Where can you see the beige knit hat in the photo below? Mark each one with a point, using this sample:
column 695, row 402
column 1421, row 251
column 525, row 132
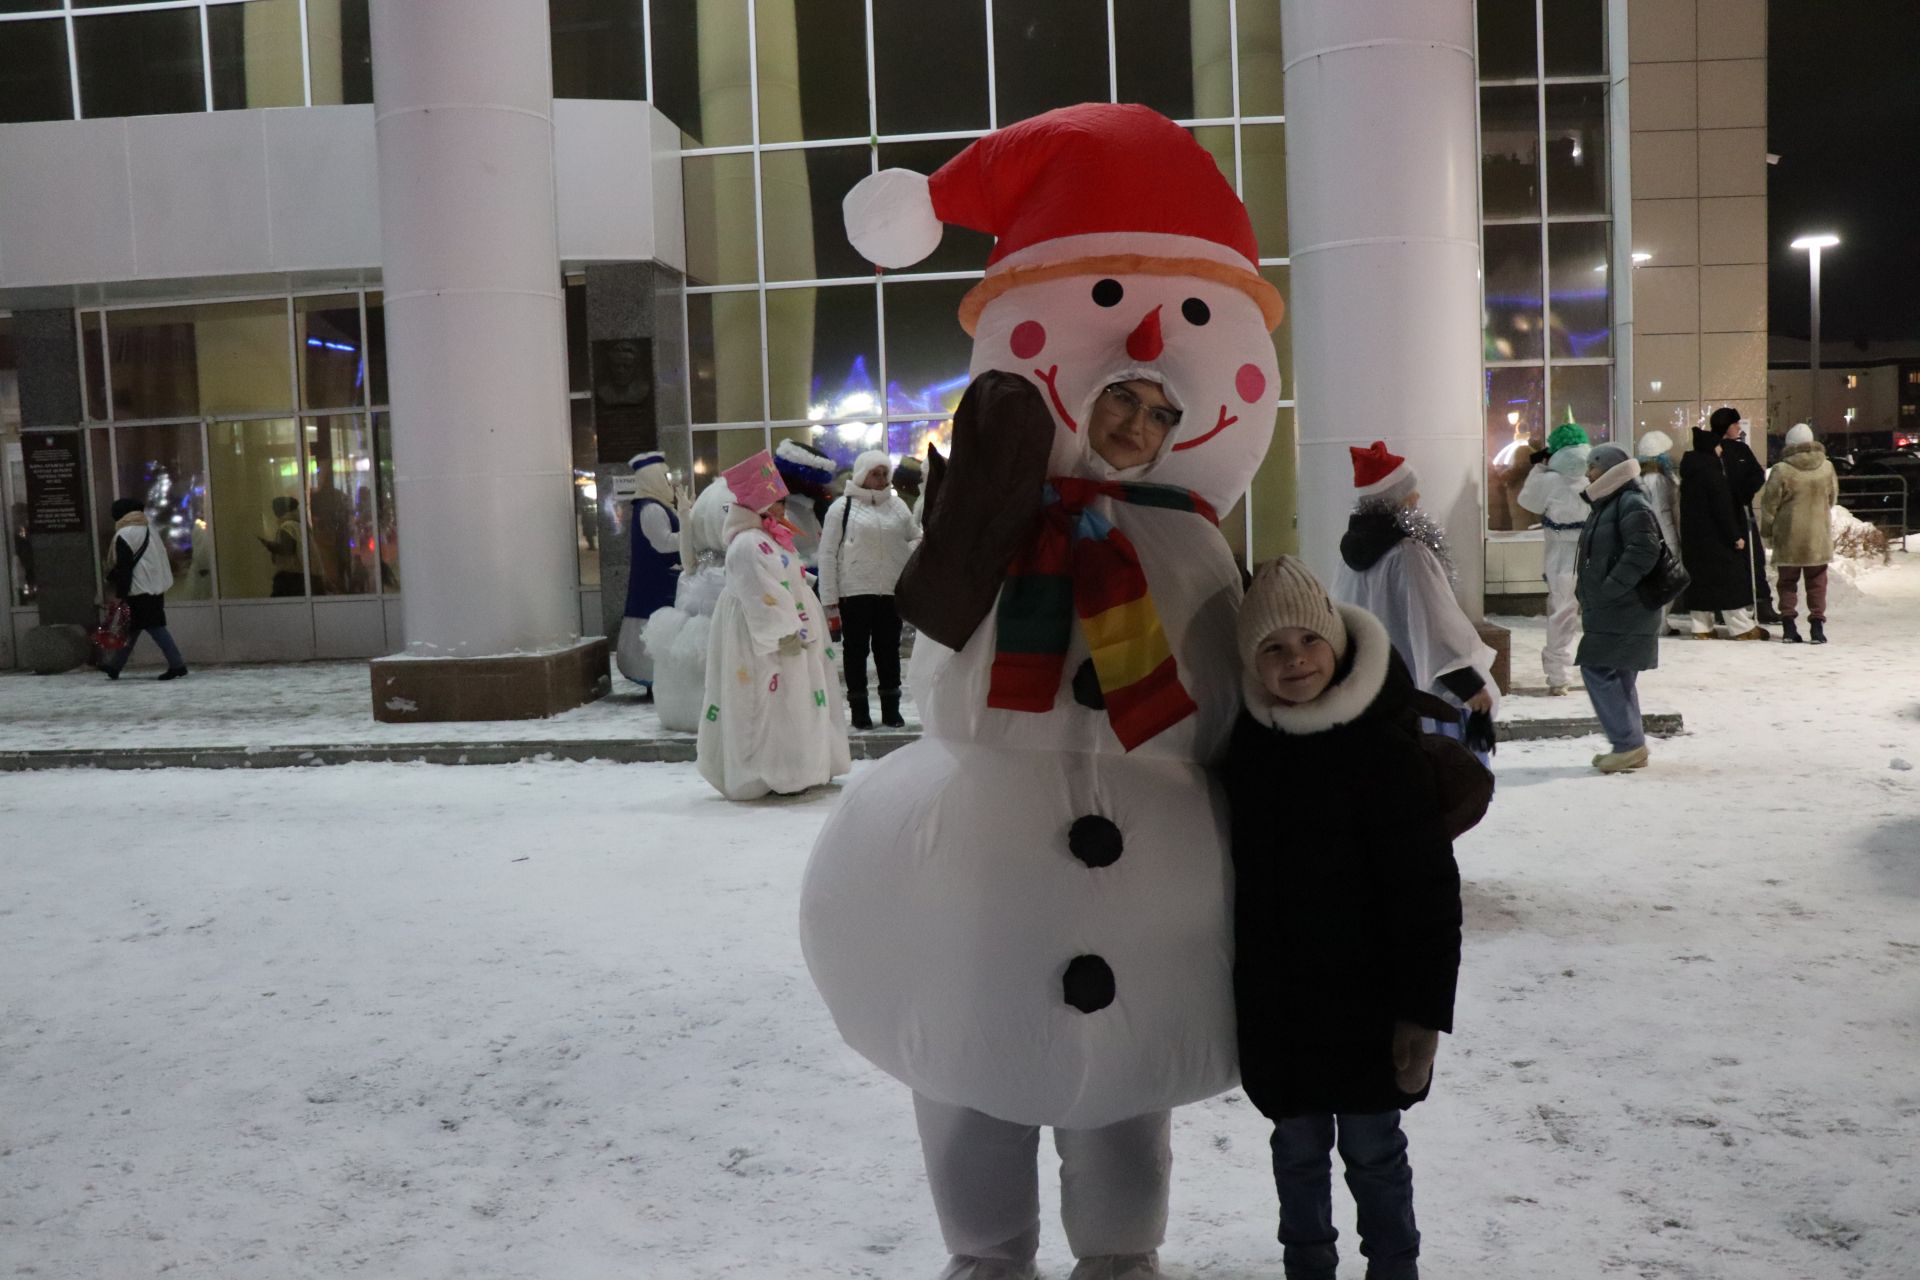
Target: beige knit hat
column 1286, row 594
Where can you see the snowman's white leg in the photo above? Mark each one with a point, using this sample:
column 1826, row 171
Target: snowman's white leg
column 985, row 1178
column 1113, row 1185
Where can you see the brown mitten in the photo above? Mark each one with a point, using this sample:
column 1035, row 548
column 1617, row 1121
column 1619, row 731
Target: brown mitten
column 1414, row 1048
column 980, row 507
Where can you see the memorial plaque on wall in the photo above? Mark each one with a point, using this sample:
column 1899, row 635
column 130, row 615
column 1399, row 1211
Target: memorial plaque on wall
column 56, row 483
column 623, row 417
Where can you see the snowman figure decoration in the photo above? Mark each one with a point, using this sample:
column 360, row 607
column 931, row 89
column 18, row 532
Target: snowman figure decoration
column 1025, row 916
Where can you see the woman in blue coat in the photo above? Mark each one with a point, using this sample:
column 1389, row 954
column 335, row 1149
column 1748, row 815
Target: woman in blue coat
column 653, row 565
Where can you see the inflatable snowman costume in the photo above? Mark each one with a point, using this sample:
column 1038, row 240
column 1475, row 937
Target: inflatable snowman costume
column 653, row 563
column 1025, row 916
column 774, row 720
column 677, row 636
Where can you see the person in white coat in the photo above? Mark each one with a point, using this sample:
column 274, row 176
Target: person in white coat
column 774, row 721
column 141, row 574
column 1553, row 493
column 864, row 544
column 1662, row 487
column 1394, row 564
column 677, row 636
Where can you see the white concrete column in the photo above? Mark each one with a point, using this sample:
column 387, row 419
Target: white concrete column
column 1383, row 214
column 476, row 326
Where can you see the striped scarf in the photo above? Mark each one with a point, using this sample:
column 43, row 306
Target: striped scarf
column 1078, row 563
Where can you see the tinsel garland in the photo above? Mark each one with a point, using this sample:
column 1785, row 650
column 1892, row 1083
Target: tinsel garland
column 1417, row 525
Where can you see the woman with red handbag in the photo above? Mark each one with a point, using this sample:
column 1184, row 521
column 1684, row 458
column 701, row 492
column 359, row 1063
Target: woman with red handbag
column 140, row 575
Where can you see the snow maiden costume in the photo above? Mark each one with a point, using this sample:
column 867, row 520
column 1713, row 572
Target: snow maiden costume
column 653, row 564
column 1394, row 564
column 1025, row 915
column 677, row 636
column 774, row 720
column 1553, row 493
column 808, row 475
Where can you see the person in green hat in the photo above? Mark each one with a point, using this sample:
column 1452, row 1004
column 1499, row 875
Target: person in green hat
column 1553, row 493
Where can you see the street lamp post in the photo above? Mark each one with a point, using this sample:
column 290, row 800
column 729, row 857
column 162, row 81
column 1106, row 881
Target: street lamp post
column 1811, row 245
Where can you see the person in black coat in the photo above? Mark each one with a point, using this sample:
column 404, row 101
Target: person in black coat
column 1745, row 479
column 1713, row 536
column 1347, row 913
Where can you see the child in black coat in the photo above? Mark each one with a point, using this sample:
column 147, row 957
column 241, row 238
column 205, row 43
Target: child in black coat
column 1347, row 913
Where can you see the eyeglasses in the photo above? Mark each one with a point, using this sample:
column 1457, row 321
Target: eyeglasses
column 1124, row 402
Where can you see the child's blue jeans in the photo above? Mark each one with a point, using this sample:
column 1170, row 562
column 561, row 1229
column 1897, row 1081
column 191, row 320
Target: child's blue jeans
column 1374, row 1150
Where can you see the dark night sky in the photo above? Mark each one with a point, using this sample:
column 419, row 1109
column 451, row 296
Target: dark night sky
column 1843, row 110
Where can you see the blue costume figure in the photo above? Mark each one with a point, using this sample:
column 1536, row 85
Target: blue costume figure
column 808, row 475
column 653, row 565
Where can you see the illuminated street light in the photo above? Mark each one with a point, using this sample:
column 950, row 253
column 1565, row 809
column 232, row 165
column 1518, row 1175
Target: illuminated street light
column 1811, row 245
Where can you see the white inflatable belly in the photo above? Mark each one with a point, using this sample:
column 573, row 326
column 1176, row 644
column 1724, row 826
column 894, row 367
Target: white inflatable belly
column 963, row 893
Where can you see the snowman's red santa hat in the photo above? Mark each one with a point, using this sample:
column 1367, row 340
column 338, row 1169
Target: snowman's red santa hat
column 1094, row 189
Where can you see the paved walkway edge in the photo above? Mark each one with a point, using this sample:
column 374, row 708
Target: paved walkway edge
column 866, row 746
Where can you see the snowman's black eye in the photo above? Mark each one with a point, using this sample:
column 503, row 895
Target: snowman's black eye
column 1107, row 293
column 1195, row 311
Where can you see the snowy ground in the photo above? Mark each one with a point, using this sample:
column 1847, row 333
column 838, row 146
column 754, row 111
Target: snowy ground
column 551, row 1020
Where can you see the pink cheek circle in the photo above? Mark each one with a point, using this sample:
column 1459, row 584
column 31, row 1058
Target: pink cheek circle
column 1250, row 383
column 1028, row 340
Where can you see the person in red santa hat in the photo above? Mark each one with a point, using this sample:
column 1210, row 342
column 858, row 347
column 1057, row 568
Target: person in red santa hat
column 1395, row 564
column 1025, row 916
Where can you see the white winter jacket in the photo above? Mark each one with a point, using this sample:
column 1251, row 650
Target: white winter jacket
column 152, row 572
column 864, row 544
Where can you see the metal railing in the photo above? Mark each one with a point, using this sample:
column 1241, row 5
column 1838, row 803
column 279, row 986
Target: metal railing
column 1880, row 500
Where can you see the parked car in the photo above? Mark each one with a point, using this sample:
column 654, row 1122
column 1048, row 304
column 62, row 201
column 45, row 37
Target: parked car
column 1892, row 464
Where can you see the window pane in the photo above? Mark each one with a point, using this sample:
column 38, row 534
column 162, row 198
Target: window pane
column 1281, row 278
column 333, row 363
column 341, row 45
column 1586, row 389
column 1263, row 178
column 843, row 442
column 1510, row 153
column 718, row 195
column 154, row 363
column 927, row 350
column 701, row 78
column 162, row 467
column 139, row 64
column 389, row 519
column 908, row 39
column 341, row 546
column 586, row 493
column 806, row 236
column 723, row 346
column 256, row 55
column 256, row 481
column 579, row 377
column 1513, row 315
column 960, row 249
column 9, row 381
column 105, row 485
column 33, row 72
column 1047, row 54
column 242, row 355
column 1217, row 141
column 376, row 350
column 13, row 483
column 1576, row 33
column 813, row 73
column 1577, row 148
column 1261, row 62
column 599, row 48
column 1507, row 49
column 1516, row 427
column 1175, row 56
column 823, row 356
column 1579, row 314
column 715, row 451
column 92, row 353
column 28, row 6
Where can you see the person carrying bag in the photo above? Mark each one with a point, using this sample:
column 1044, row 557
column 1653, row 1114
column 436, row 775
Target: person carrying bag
column 140, row 578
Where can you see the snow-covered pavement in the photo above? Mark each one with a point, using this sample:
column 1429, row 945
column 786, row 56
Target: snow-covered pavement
column 551, row 1020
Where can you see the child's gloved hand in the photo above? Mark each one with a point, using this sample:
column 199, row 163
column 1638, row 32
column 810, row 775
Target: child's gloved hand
column 790, row 646
column 1414, row 1047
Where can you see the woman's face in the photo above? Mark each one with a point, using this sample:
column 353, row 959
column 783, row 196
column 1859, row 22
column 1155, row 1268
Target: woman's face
column 778, row 511
column 1130, row 422
column 876, row 478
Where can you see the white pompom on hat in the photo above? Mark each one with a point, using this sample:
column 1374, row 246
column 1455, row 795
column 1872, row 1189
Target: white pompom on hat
column 1799, row 434
column 1653, row 444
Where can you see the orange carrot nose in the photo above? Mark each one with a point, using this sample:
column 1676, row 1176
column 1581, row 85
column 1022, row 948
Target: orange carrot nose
column 1145, row 343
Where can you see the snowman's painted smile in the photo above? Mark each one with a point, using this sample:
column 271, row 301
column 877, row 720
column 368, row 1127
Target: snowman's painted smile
column 1051, row 373
column 1226, row 420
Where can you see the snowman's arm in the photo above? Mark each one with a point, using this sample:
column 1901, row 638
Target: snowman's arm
column 656, row 526
column 755, row 578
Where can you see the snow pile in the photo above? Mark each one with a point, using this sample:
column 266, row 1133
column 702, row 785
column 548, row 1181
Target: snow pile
column 551, row 1020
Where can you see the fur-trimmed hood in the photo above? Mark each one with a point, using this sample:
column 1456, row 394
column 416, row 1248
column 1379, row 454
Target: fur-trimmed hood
column 1368, row 661
column 1807, row 457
